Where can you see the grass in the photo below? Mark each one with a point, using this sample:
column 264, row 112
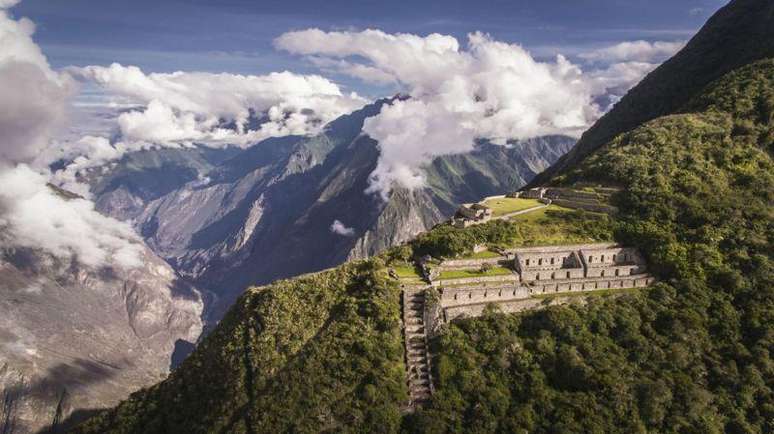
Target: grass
column 509, row 205
column 462, row 274
column 486, row 254
column 555, row 225
column 406, row 272
column 595, row 293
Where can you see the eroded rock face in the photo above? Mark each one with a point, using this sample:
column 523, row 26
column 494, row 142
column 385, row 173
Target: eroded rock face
column 73, row 339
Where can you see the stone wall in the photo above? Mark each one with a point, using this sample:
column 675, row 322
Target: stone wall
column 597, row 257
column 459, row 264
column 463, row 296
column 586, row 206
column 472, row 295
column 573, row 247
column 476, row 280
column 614, row 271
column 471, row 302
column 559, row 273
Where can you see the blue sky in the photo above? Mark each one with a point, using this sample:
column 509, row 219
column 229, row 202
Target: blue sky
column 236, row 35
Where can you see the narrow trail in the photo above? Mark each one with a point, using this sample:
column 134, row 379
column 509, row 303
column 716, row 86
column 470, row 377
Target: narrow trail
column 524, row 211
column 417, row 355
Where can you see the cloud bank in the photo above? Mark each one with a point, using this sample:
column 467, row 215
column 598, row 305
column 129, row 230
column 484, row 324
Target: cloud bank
column 33, row 96
column 486, row 90
column 635, row 51
column 37, row 217
column 32, row 109
column 219, row 109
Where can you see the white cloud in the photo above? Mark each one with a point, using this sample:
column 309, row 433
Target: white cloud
column 489, row 90
column 635, row 51
column 186, row 107
column 33, row 95
column 37, row 217
column 32, row 107
column 6, row 4
column 86, row 153
column 338, row 227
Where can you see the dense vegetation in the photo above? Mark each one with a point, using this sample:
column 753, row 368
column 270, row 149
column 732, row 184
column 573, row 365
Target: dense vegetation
column 318, row 353
column 693, row 354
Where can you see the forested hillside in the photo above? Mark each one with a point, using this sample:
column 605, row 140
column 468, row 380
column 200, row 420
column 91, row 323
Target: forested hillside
column 693, row 354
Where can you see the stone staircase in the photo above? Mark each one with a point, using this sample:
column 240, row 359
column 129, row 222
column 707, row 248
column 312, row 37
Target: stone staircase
column 417, row 354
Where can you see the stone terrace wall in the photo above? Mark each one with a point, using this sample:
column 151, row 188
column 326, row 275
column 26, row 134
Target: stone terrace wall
column 614, row 271
column 593, row 284
column 463, row 296
column 553, row 274
column 457, row 264
column 573, row 247
column 475, row 280
column 475, row 310
column 451, row 297
column 586, row 206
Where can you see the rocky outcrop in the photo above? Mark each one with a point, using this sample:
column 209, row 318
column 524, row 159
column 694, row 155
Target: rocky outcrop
column 74, row 339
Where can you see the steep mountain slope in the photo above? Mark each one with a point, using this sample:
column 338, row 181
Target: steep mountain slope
column 691, row 354
column 74, row 339
column 718, row 48
column 267, row 213
column 124, row 188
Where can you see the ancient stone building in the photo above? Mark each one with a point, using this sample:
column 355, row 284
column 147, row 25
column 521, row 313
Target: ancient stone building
column 540, row 271
column 548, row 265
column 472, row 214
column 612, row 262
column 532, row 193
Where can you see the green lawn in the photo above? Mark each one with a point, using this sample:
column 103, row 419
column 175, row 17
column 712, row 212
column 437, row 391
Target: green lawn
column 555, row 225
column 462, row 274
column 509, row 205
column 486, row 254
column 407, row 272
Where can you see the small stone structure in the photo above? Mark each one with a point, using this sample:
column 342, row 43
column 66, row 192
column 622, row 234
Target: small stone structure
column 470, row 214
column 532, row 193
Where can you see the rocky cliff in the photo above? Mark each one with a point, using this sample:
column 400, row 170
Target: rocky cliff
column 74, row 339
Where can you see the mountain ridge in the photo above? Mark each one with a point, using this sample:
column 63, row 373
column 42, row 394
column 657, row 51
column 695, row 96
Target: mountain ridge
column 714, row 51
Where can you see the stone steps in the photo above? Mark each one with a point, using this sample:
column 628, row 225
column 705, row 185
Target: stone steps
column 415, row 342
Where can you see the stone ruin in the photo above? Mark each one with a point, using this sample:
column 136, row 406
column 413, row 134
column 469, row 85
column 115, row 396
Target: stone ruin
column 470, row 214
column 594, row 201
column 539, row 271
